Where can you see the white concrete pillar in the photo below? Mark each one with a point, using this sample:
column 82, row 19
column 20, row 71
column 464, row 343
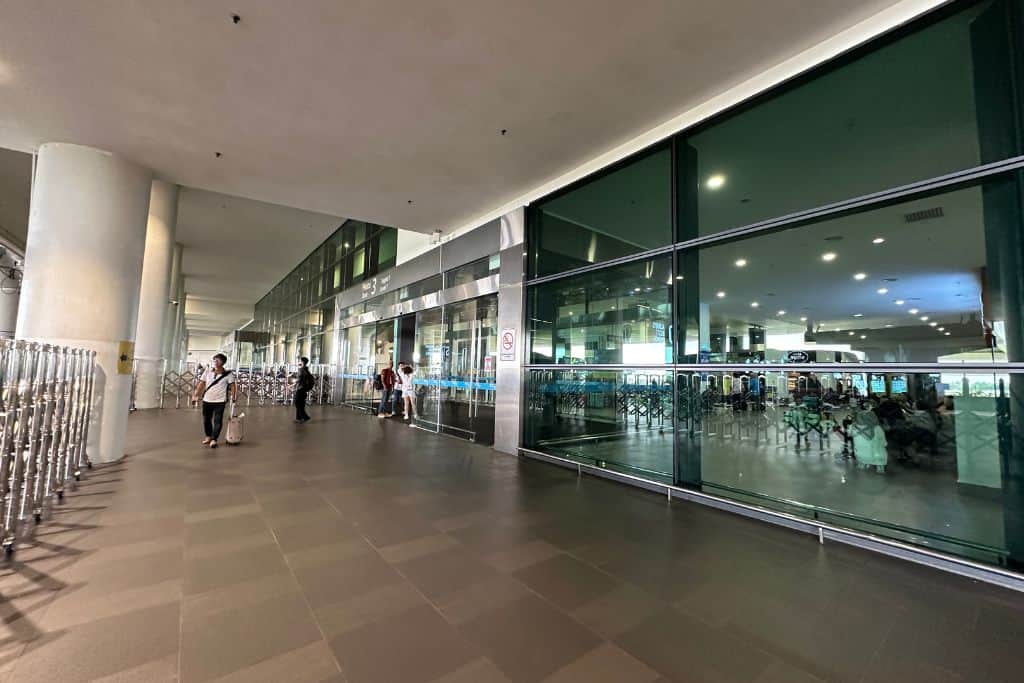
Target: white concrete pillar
column 83, row 268
column 156, row 282
column 171, row 318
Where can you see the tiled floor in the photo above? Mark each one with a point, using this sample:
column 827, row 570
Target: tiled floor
column 348, row 549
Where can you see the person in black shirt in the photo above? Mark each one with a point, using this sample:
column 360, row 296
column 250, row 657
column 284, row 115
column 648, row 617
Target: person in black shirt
column 302, row 389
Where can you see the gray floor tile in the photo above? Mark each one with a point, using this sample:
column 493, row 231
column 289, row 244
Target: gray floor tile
column 445, row 571
column 226, row 569
column 566, row 581
column 338, row 581
column 412, row 646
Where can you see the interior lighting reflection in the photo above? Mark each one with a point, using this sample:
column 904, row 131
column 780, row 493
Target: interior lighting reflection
column 942, row 329
column 782, row 313
column 720, row 295
column 858, row 315
column 716, row 181
column 851, row 333
column 740, row 262
column 912, row 311
column 860, row 276
column 863, row 336
column 924, row 318
column 946, row 333
column 899, row 302
column 828, row 256
column 754, row 304
column 878, row 240
column 883, row 290
column 933, row 324
column 803, row 318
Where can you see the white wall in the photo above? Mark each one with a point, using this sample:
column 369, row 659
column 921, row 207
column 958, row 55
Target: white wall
column 411, row 244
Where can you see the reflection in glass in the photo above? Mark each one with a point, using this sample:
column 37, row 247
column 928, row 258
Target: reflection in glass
column 910, row 282
column 359, row 365
column 428, row 362
column 935, row 101
column 621, row 212
column 620, row 420
column 917, row 457
column 471, row 272
column 468, row 381
column 618, row 315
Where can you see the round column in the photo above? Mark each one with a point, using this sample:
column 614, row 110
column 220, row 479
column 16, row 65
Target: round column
column 83, row 268
column 153, row 299
column 171, row 319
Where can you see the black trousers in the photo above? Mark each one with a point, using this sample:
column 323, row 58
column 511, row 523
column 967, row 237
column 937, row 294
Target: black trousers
column 300, row 404
column 213, row 419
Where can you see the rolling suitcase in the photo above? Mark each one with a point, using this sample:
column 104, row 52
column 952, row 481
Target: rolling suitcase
column 235, row 429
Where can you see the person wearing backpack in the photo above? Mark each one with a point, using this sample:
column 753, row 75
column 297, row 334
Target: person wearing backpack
column 302, row 389
column 216, row 386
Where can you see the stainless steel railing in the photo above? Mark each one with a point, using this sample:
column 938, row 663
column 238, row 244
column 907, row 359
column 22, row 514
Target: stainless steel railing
column 45, row 405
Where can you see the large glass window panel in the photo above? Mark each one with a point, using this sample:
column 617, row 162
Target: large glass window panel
column 934, row 279
column 468, row 382
column 360, row 364
column 429, row 365
column 920, row 457
column 620, row 212
column 471, row 272
column 387, row 253
column 621, row 420
column 616, row 315
column 358, row 265
column 935, row 101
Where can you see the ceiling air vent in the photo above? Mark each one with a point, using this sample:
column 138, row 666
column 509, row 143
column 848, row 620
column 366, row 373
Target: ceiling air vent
column 923, row 215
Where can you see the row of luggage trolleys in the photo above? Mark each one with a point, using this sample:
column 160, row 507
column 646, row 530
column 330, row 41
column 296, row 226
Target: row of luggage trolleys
column 256, row 386
column 45, row 404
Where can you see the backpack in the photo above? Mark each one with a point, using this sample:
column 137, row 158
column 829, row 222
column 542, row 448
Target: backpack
column 306, row 381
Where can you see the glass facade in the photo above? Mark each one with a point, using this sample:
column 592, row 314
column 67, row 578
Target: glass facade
column 815, row 300
column 298, row 313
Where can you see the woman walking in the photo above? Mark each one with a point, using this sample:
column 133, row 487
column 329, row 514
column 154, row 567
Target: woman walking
column 408, row 393
column 215, row 387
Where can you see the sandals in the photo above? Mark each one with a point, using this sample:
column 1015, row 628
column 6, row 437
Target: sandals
column 206, row 441
column 213, row 443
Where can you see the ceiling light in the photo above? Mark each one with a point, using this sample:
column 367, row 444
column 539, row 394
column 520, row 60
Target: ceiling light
column 912, row 311
column 942, row 329
column 933, row 324
column 754, row 304
column 740, row 262
column 716, row 181
column 679, row 277
column 858, row 315
column 946, row 333
column 890, row 325
column 924, row 318
column 851, row 333
column 863, row 336
column 860, row 276
column 899, row 302
column 828, row 256
column 782, row 313
column 878, row 240
column 883, row 290
column 803, row 319
column 636, row 289
column 720, row 295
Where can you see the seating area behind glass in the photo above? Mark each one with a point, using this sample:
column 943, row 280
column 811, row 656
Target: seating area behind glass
column 811, row 303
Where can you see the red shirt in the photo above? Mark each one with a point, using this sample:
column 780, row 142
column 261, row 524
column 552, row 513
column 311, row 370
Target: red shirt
column 387, row 378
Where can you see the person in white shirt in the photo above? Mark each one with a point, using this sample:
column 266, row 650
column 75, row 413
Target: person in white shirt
column 215, row 387
column 408, row 393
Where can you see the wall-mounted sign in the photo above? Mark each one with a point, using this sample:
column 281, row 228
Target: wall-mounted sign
column 508, row 344
column 797, row 357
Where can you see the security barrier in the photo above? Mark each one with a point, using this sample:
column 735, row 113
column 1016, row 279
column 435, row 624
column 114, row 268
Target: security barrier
column 257, row 385
column 45, row 405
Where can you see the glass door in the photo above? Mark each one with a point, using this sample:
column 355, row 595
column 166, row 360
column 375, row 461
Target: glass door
column 428, row 362
column 467, row 389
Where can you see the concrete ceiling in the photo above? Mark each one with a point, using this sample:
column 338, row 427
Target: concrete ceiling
column 358, row 108
column 15, row 189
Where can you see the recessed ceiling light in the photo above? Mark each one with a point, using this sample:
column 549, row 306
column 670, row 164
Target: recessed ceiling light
column 636, row 289
column 803, row 318
column 754, row 304
column 851, row 333
column 883, row 290
column 782, row 313
column 899, row 302
column 924, row 318
column 878, row 240
column 720, row 295
column 828, row 256
column 942, row 329
column 912, row 311
column 858, row 315
column 863, row 336
column 860, row 276
column 679, row 277
column 740, row 262
column 889, row 325
column 946, row 333
column 716, row 181
column 933, row 324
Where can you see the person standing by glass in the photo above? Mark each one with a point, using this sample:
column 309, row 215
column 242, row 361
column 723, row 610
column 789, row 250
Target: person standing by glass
column 215, row 387
column 387, row 381
column 303, row 385
column 408, row 393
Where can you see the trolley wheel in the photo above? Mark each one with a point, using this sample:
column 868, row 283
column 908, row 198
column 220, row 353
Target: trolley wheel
column 60, row 495
column 89, row 465
column 38, row 517
column 78, row 476
column 9, row 551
